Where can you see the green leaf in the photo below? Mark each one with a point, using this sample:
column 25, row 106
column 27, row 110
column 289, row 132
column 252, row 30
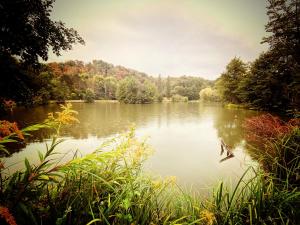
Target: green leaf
column 41, row 156
column 126, row 203
column 28, row 167
column 93, row 221
column 2, row 148
column 44, row 177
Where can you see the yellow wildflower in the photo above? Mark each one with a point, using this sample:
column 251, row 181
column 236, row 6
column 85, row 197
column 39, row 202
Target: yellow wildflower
column 171, row 180
column 208, row 216
column 65, row 117
column 157, row 184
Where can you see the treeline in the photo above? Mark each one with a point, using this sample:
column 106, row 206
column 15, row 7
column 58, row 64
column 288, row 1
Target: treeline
column 272, row 81
column 76, row 80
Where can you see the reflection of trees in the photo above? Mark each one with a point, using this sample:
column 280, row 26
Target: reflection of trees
column 228, row 123
column 99, row 119
column 105, row 119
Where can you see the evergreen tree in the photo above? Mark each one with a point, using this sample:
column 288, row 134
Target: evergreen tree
column 228, row 84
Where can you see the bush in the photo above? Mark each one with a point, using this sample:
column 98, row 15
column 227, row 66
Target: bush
column 89, row 96
column 276, row 145
column 179, row 98
column 159, row 98
column 210, row 95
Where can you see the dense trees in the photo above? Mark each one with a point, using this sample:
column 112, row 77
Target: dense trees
column 264, row 87
column 131, row 90
column 188, row 86
column 27, row 33
column 72, row 79
column 284, row 42
column 228, row 84
column 272, row 81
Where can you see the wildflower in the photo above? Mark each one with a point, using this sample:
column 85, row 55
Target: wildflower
column 50, row 116
column 171, row 180
column 208, row 216
column 7, row 128
column 7, row 216
column 157, row 184
column 65, row 117
column 138, row 153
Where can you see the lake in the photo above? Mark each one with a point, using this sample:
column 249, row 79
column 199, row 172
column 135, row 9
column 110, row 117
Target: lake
column 185, row 136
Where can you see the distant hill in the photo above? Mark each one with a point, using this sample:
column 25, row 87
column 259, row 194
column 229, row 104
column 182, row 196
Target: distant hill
column 96, row 67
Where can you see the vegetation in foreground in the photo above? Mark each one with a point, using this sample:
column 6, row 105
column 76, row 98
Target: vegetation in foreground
column 109, row 186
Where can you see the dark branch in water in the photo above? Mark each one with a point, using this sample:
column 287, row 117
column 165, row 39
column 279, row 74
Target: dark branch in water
column 229, row 153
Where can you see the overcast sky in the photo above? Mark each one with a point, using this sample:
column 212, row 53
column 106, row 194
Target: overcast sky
column 167, row 37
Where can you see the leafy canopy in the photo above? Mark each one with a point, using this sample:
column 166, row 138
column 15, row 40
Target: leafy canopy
column 27, row 31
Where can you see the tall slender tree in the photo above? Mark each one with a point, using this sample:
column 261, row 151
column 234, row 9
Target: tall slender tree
column 168, row 87
column 284, row 42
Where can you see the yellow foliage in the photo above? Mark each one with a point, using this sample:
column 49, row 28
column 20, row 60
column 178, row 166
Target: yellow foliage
column 65, row 117
column 208, row 217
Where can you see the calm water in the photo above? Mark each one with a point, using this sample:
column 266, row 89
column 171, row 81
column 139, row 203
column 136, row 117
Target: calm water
column 186, row 137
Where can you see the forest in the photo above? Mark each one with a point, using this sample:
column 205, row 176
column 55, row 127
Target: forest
column 75, row 80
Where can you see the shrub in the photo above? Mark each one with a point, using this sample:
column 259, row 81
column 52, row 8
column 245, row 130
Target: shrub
column 276, row 145
column 89, row 96
column 210, row 95
column 179, row 98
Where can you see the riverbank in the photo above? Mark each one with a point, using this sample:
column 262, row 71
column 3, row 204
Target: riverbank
column 81, row 101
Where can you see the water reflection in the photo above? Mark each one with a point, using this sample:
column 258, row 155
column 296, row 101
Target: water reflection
column 186, row 136
column 229, row 124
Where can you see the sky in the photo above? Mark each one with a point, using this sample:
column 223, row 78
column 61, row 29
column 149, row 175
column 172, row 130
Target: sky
column 166, row 37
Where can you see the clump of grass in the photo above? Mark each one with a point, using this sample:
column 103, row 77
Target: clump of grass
column 256, row 201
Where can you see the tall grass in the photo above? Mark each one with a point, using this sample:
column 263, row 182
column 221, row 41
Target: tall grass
column 110, row 187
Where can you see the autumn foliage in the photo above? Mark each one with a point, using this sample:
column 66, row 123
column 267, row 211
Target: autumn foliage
column 8, row 128
column 276, row 145
column 7, row 216
column 266, row 128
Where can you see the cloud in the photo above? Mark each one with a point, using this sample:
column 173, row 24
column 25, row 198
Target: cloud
column 162, row 37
